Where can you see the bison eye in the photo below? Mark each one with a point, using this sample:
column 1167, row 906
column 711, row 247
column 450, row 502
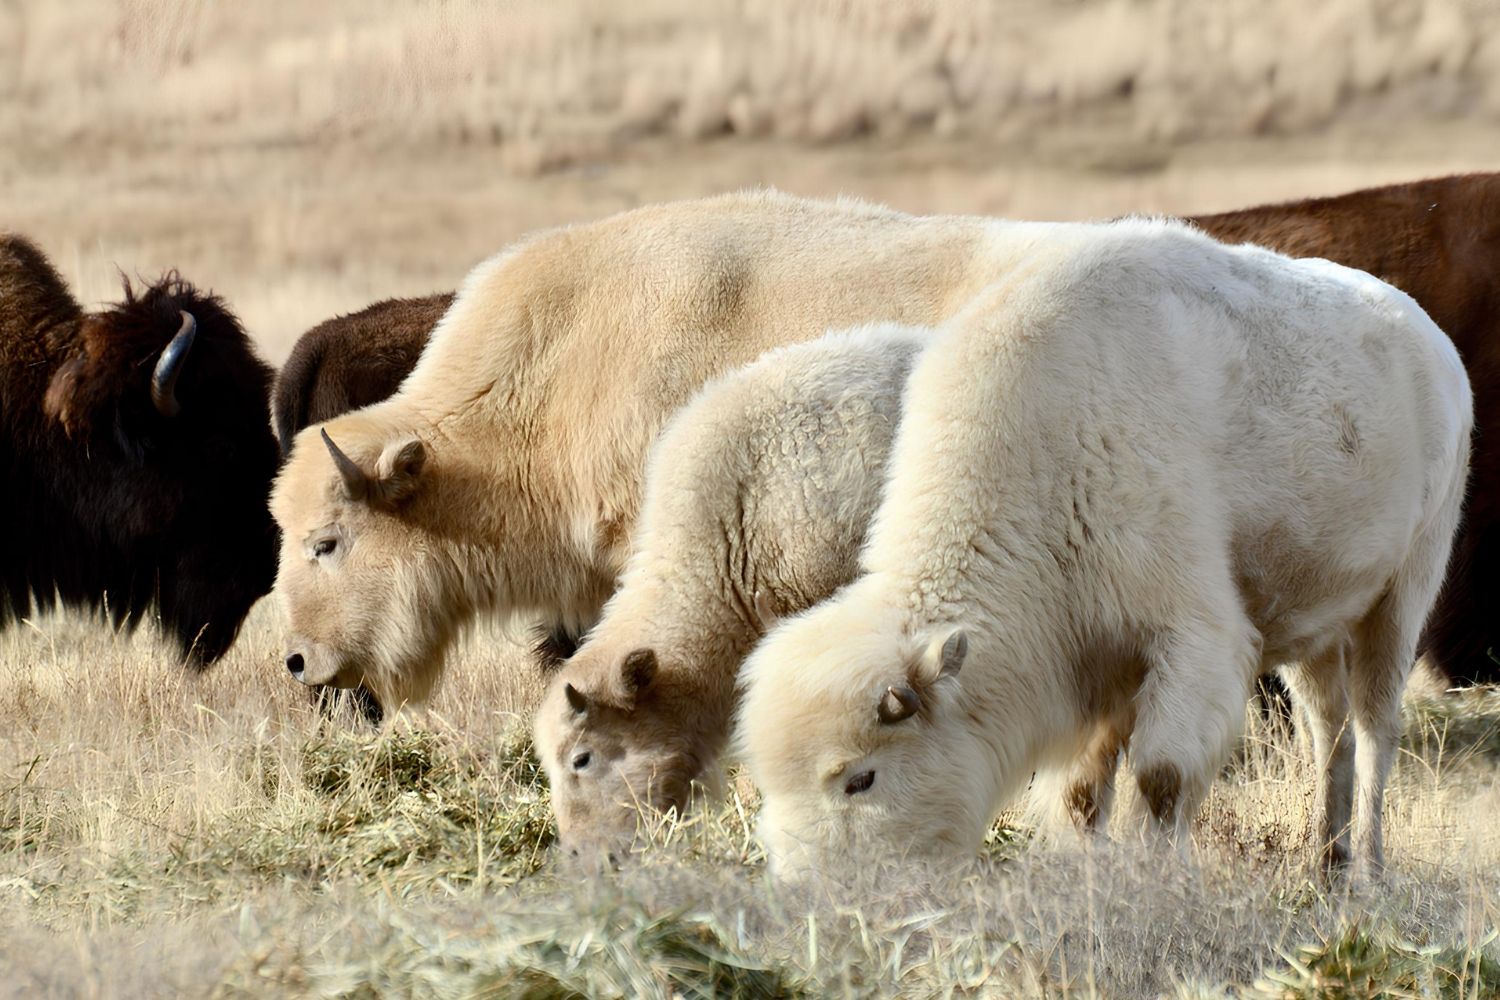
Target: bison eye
column 861, row 782
column 581, row 761
column 324, row 546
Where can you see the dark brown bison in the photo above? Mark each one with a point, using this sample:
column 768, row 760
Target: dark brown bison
column 1438, row 241
column 352, row 361
column 137, row 455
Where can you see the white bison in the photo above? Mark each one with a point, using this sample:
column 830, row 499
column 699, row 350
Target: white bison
column 758, row 495
column 1130, row 476
column 505, row 475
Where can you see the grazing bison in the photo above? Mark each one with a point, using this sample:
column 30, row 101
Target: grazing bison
column 1131, row 476
column 758, row 494
column 1439, row 241
column 343, row 364
column 136, row 454
column 505, row 475
column 351, row 361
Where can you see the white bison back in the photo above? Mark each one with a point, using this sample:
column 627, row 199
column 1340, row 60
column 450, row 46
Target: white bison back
column 787, row 457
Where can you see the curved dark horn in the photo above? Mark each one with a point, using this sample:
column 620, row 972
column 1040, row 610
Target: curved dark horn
column 355, row 481
column 898, row 704
column 576, row 700
column 169, row 367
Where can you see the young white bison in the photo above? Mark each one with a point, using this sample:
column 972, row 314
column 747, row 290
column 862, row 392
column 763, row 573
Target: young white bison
column 505, row 474
column 758, row 495
column 1128, row 478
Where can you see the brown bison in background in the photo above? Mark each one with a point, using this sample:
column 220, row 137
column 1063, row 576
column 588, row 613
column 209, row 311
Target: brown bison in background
column 136, row 455
column 1437, row 240
column 352, row 361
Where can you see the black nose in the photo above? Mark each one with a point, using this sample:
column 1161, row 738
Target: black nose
column 294, row 664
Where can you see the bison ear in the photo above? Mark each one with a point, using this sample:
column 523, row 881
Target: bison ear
column 638, row 670
column 59, row 402
column 398, row 473
column 944, row 655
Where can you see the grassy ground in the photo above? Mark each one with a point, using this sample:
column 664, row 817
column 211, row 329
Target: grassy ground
column 162, row 833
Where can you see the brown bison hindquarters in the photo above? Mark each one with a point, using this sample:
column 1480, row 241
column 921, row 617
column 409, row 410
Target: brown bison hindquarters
column 1438, row 241
column 352, row 361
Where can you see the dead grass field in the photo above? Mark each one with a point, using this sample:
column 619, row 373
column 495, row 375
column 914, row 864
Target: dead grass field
column 165, row 834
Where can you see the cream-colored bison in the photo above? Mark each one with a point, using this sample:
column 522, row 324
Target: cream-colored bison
column 758, row 495
column 1130, row 476
column 505, row 475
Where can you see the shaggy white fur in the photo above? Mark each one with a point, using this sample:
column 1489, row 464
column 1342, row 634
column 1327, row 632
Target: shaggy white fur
column 1132, row 474
column 758, row 495
column 520, row 439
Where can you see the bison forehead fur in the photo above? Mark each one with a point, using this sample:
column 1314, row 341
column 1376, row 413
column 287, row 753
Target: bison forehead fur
column 112, row 502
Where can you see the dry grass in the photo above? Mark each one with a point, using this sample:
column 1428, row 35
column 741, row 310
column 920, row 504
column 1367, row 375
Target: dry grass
column 555, row 84
column 168, row 834
column 305, row 159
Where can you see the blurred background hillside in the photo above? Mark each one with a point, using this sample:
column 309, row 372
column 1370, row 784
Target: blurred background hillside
column 304, row 159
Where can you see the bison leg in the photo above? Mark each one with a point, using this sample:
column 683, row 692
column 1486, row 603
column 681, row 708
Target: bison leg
column 552, row 643
column 1376, row 682
column 1190, row 708
column 1079, row 797
column 1090, row 795
column 1320, row 687
column 1383, row 656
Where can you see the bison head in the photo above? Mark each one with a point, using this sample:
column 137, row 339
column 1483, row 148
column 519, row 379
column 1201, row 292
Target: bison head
column 858, row 737
column 617, row 739
column 164, row 457
column 368, row 591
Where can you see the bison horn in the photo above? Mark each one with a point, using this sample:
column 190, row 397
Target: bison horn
column 356, row 482
column 898, row 703
column 576, row 700
column 169, row 367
